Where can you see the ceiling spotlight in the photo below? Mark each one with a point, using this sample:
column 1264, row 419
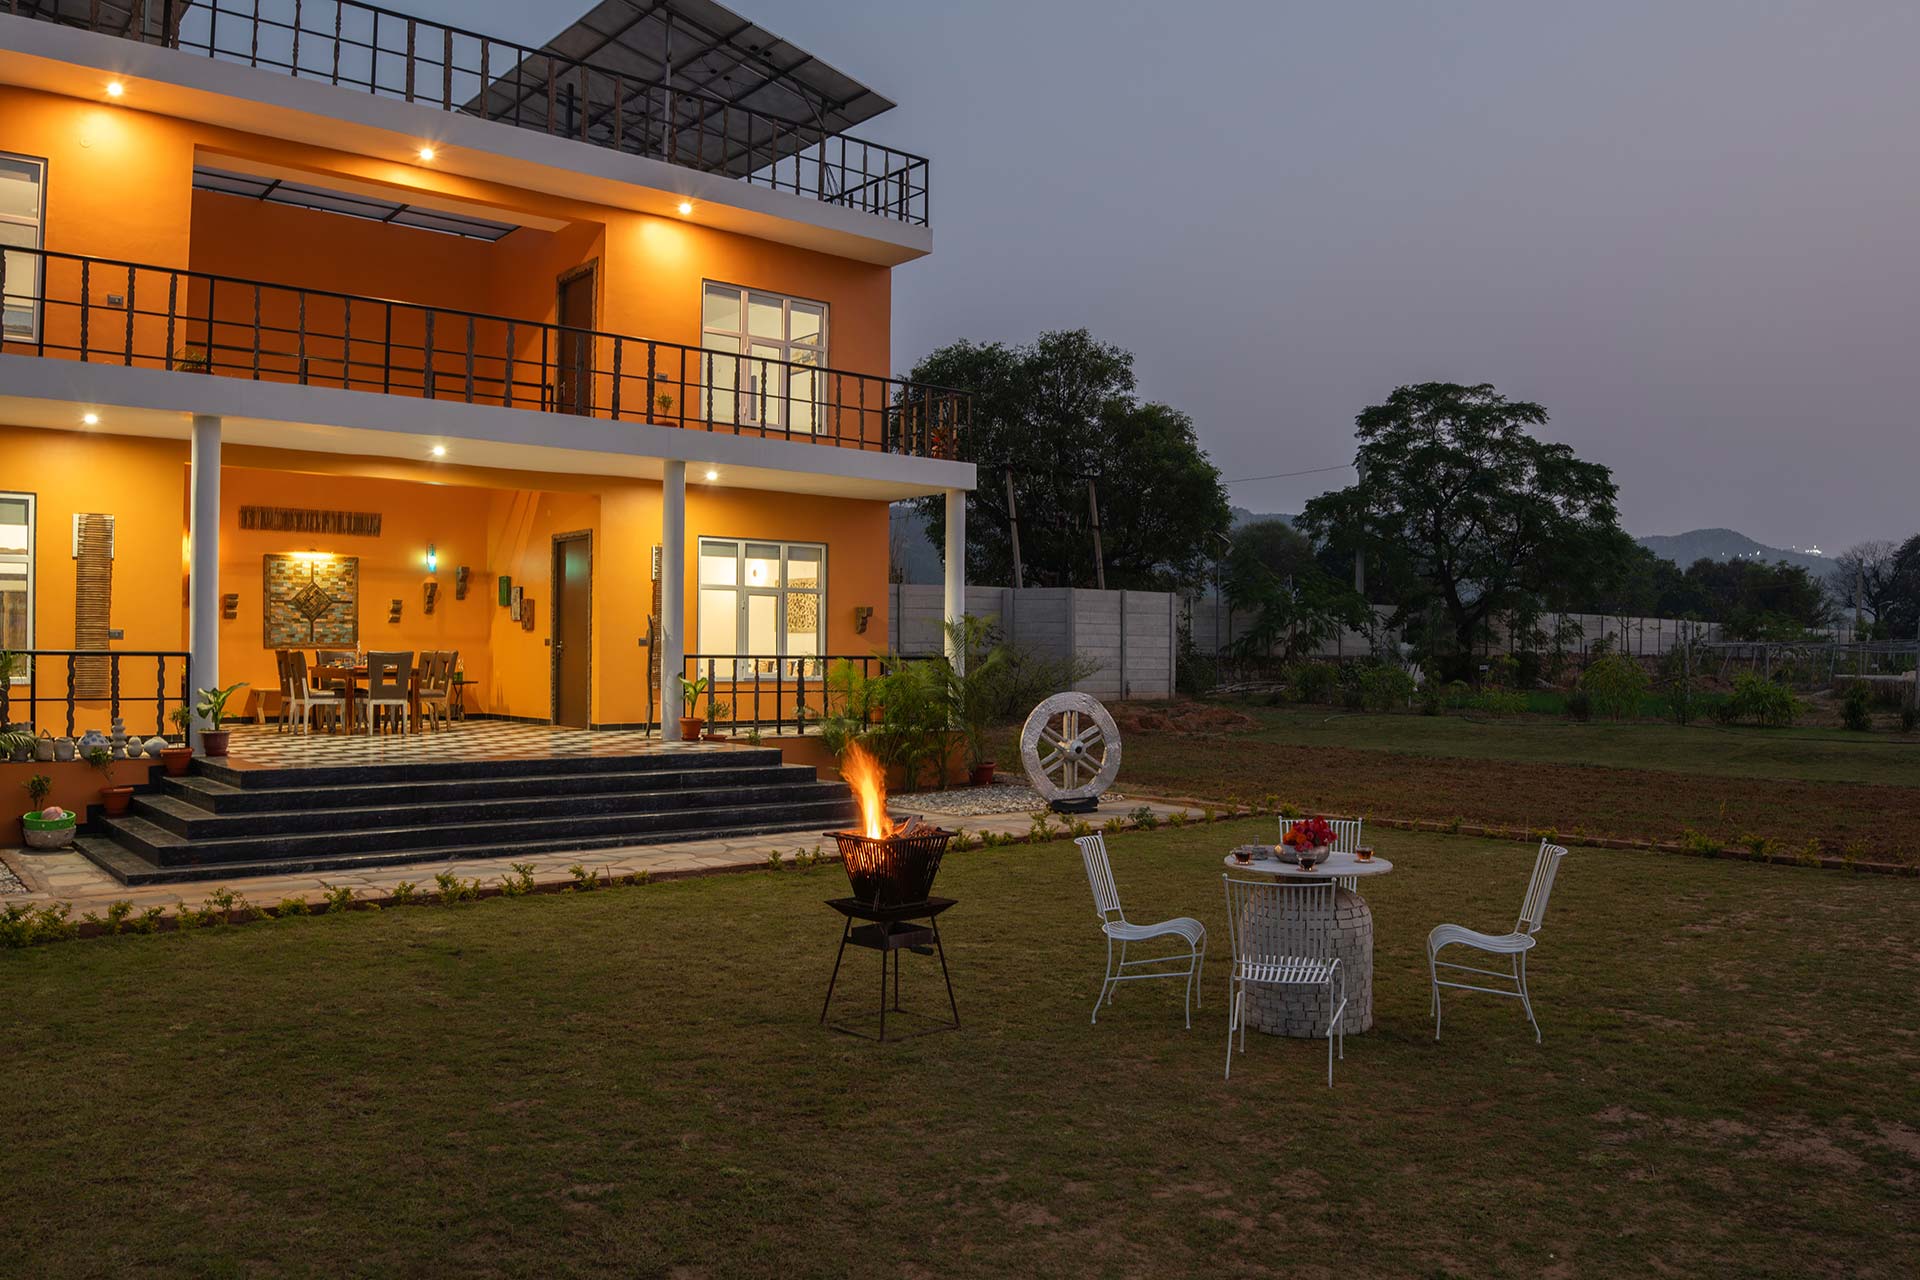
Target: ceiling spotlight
column 712, row 474
column 91, row 419
column 439, row 451
column 115, row 88
column 427, row 153
column 686, row 207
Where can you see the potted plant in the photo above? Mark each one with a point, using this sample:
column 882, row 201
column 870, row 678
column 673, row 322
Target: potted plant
column 46, row 826
column 211, row 708
column 116, row 797
column 716, row 712
column 976, row 696
column 178, row 759
column 690, row 721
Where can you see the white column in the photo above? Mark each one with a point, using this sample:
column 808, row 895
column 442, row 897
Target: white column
column 673, row 579
column 203, row 573
column 956, row 593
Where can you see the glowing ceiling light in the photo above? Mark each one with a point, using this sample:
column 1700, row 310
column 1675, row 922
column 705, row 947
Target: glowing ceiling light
column 115, row 88
column 91, row 419
column 438, row 451
column 712, row 474
column 686, row 207
column 427, row 153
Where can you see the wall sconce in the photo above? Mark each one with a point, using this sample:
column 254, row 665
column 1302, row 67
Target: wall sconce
column 230, row 606
column 393, row 610
column 862, row 614
column 433, row 559
column 460, row 583
column 430, row 592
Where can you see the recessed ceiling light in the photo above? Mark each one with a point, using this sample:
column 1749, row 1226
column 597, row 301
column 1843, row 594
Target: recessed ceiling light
column 427, row 153
column 686, row 207
column 91, row 419
column 712, row 474
column 439, row 451
column 115, row 88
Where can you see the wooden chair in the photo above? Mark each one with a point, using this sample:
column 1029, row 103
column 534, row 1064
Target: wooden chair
column 436, row 687
column 283, row 666
column 303, row 701
column 388, row 678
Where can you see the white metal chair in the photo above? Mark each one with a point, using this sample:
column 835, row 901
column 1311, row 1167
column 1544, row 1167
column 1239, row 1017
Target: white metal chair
column 1346, row 838
column 302, row 701
column 1282, row 936
column 1513, row 945
column 1114, row 923
column 388, row 678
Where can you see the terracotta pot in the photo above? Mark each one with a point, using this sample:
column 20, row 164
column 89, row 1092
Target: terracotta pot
column 177, row 760
column 713, row 737
column 982, row 775
column 690, row 727
column 214, row 741
column 116, row 799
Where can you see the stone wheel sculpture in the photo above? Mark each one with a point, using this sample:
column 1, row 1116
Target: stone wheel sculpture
column 1070, row 748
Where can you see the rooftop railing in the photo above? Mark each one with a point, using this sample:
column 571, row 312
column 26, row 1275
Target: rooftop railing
column 399, row 56
column 103, row 311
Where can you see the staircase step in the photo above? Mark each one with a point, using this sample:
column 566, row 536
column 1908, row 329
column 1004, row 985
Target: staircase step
column 669, row 761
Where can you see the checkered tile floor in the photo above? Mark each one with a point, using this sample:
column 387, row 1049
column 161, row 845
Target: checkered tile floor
column 261, row 747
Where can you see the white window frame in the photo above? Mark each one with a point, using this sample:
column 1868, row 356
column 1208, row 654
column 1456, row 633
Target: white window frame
column 38, row 221
column 15, row 557
column 752, row 407
column 789, row 663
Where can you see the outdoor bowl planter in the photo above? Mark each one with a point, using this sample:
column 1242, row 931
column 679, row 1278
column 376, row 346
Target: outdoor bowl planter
column 117, row 799
column 177, row 760
column 48, row 833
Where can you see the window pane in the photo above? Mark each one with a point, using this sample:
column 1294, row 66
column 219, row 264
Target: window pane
column 720, row 308
column 717, row 564
column 719, row 621
column 13, row 610
column 809, row 323
column 766, row 384
column 806, row 391
column 762, row 637
column 803, row 567
column 765, row 316
column 19, row 190
column 763, row 565
column 721, row 376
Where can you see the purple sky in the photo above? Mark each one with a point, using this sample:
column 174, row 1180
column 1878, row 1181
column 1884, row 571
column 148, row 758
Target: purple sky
column 1690, row 230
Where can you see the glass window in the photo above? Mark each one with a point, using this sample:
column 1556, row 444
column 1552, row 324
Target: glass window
column 762, row 602
column 22, row 203
column 762, row 334
column 16, row 573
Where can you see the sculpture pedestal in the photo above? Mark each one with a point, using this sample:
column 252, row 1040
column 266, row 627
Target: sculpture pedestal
column 1303, row 1011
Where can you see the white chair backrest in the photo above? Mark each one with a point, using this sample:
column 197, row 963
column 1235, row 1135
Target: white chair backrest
column 1106, row 898
column 1534, row 910
column 293, row 677
column 1271, row 920
column 1346, row 832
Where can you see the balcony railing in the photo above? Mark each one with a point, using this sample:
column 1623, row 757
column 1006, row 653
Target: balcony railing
column 395, row 55
column 60, row 682
column 103, row 311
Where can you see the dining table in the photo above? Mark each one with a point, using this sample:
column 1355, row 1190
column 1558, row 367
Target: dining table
column 349, row 679
column 1303, row 1011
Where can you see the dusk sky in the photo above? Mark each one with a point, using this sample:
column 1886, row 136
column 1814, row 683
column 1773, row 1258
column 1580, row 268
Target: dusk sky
column 1689, row 230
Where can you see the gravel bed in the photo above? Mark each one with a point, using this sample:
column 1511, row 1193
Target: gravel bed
column 9, row 882
column 968, row 802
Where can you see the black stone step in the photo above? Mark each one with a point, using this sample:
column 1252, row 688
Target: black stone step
column 421, row 805
column 718, row 757
column 130, row 869
column 369, row 788
column 699, row 813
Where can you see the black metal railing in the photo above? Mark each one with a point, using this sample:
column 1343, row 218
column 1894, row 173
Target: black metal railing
column 103, row 310
column 769, row 692
column 396, row 55
column 68, row 680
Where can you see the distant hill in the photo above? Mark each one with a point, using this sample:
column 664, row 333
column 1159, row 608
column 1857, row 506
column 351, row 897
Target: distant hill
column 1727, row 544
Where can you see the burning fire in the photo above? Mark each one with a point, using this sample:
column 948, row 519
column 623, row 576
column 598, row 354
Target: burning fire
column 868, row 782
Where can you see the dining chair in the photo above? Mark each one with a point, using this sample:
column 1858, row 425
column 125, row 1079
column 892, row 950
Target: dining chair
column 303, row 700
column 1281, row 935
column 388, row 676
column 344, row 660
column 1346, row 839
column 1117, row 928
column 283, row 665
column 1514, row 946
column 436, row 687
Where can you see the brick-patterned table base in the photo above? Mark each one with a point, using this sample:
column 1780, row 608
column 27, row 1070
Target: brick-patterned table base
column 1303, row 1011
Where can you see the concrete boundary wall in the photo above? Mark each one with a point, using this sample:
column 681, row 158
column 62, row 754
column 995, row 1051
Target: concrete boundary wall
column 1131, row 635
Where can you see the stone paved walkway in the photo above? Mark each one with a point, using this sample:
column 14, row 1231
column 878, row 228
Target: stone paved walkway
column 68, row 877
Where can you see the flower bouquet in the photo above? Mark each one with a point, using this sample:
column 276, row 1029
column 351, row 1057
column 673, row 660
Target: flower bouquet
column 1309, row 840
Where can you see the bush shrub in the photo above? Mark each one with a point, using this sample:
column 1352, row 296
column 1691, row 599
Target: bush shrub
column 1385, row 688
column 1315, row 682
column 1580, row 705
column 1855, row 708
column 1614, row 685
column 1500, row 702
column 1760, row 700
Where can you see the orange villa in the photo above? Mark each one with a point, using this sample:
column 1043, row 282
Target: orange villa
column 328, row 327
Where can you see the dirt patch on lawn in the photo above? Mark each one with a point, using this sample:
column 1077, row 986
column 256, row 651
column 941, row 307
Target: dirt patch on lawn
column 1185, row 718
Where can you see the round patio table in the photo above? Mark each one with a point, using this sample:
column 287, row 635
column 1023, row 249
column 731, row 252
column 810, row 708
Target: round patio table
column 1303, row 1011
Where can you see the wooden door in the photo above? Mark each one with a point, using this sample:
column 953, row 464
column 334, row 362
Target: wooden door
column 573, row 380
column 573, row 629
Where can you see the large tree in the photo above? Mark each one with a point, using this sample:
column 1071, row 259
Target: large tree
column 1903, row 608
column 1863, row 578
column 1273, row 570
column 1054, row 414
column 1459, row 507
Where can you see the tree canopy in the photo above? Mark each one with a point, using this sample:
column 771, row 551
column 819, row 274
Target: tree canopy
column 1272, row 569
column 1458, row 507
column 1056, row 412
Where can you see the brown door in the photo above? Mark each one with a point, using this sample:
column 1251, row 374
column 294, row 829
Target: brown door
column 573, row 381
column 573, row 629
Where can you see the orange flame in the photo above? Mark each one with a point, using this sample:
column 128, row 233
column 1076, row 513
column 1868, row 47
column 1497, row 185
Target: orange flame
column 869, row 784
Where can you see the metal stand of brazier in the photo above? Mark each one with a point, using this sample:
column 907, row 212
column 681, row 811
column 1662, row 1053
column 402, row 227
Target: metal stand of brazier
column 912, row 926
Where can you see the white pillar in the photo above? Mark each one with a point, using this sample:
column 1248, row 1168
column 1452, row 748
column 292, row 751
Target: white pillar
column 203, row 573
column 956, row 592
column 673, row 580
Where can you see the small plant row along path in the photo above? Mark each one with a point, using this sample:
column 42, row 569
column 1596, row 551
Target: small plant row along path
column 1773, row 818
column 72, row 898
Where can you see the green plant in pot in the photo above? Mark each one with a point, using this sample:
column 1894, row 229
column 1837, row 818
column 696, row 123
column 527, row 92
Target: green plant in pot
column 116, row 797
column 976, row 693
column 45, row 826
column 691, row 692
column 212, row 709
column 179, row 758
column 716, row 712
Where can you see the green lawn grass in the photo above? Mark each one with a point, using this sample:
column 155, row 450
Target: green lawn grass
column 631, row 1082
